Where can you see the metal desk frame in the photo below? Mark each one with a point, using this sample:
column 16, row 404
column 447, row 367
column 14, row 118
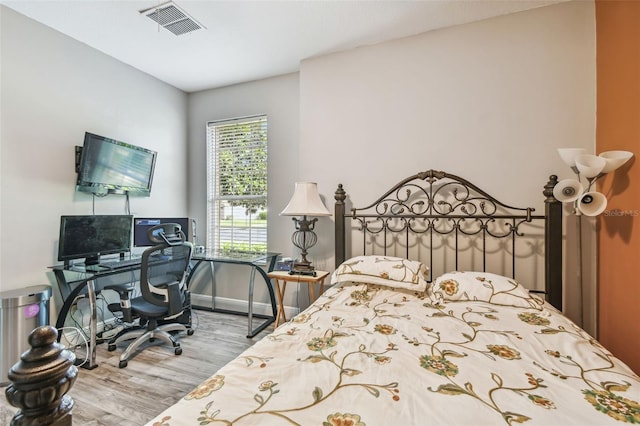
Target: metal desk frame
column 70, row 290
column 250, row 260
column 86, row 286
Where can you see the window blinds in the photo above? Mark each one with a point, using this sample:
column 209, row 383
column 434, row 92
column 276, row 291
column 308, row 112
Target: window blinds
column 237, row 183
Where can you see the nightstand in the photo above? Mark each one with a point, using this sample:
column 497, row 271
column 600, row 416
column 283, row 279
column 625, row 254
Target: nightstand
column 283, row 277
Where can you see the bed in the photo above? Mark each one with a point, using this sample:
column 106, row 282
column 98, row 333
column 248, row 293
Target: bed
column 428, row 322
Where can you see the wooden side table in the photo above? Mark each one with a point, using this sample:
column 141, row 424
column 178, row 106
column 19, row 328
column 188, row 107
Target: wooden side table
column 283, row 277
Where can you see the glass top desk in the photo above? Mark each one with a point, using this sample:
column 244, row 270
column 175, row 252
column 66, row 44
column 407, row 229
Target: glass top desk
column 80, row 280
column 252, row 260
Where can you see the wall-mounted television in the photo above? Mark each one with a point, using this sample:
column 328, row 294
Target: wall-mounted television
column 92, row 236
column 108, row 166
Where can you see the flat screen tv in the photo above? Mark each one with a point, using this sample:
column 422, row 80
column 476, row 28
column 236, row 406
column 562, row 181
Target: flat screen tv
column 141, row 227
column 90, row 237
column 108, row 166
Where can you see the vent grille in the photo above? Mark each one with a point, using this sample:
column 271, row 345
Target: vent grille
column 170, row 16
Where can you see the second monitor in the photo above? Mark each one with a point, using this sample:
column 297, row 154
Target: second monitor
column 142, row 224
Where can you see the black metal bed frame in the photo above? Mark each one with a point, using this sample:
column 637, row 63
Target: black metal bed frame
column 433, row 203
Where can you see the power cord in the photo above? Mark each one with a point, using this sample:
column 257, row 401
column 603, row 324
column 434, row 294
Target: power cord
column 78, row 326
column 79, row 340
column 127, row 205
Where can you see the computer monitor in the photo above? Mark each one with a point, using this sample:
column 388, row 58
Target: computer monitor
column 142, row 224
column 90, row 237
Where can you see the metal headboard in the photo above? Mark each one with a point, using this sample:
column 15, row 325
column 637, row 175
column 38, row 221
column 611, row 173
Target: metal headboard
column 434, row 204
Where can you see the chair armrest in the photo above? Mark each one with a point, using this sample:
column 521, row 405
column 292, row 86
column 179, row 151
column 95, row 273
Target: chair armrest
column 124, row 290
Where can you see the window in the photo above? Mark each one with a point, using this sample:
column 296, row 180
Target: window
column 237, row 184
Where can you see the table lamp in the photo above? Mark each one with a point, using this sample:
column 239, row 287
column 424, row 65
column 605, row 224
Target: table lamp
column 305, row 202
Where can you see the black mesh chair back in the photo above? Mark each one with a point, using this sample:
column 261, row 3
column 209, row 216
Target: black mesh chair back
column 163, row 275
column 165, row 303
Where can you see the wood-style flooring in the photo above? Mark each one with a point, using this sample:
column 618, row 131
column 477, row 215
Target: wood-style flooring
column 155, row 378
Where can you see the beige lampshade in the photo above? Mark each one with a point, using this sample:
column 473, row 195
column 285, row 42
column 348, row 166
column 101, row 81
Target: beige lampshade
column 305, row 201
column 590, row 165
column 568, row 190
column 592, row 203
column 569, row 155
column 615, row 159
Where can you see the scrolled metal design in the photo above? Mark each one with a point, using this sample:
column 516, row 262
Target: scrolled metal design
column 399, row 202
column 374, row 226
column 457, row 198
column 433, row 205
column 469, row 226
column 421, row 225
column 437, row 216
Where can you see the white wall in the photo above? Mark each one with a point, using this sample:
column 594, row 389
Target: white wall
column 489, row 101
column 53, row 90
column 277, row 98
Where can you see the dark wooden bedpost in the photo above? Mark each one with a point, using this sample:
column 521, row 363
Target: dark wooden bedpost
column 553, row 244
column 40, row 380
column 340, row 244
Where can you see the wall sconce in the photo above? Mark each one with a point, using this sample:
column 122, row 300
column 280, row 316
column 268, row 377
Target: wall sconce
column 592, row 167
column 304, row 202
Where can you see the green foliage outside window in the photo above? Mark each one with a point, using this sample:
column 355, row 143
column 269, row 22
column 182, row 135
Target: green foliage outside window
column 242, row 167
column 237, row 184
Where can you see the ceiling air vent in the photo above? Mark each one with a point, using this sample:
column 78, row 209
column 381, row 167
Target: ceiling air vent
column 168, row 15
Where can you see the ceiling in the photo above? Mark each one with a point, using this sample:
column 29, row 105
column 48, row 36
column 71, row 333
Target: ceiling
column 249, row 40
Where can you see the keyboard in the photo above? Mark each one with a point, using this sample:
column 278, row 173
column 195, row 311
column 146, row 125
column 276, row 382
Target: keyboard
column 120, row 264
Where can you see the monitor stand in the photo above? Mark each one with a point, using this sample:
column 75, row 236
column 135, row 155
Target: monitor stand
column 92, row 263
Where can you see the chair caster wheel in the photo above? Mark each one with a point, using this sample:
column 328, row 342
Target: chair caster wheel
column 122, row 364
column 111, row 347
column 178, row 351
column 190, row 332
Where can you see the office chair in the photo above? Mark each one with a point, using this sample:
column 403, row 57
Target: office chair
column 164, row 305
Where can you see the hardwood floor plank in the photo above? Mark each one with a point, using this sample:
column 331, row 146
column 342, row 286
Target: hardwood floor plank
column 155, row 377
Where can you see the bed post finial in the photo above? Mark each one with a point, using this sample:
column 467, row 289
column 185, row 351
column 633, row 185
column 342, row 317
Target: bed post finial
column 340, row 244
column 340, row 195
column 553, row 244
column 40, row 380
column 548, row 189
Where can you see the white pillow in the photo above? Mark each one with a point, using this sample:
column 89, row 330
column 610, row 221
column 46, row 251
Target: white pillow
column 389, row 271
column 483, row 286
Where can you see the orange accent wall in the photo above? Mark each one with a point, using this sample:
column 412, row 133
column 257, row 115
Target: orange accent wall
column 618, row 128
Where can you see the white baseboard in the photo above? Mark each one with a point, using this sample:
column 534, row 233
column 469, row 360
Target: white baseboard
column 240, row 305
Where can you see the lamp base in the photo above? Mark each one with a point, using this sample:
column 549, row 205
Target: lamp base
column 302, row 268
column 310, row 273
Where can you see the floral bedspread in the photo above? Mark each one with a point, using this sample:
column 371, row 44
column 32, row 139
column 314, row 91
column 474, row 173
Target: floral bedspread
column 365, row 355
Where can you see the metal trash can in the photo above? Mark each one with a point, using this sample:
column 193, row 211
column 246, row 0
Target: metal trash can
column 21, row 310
